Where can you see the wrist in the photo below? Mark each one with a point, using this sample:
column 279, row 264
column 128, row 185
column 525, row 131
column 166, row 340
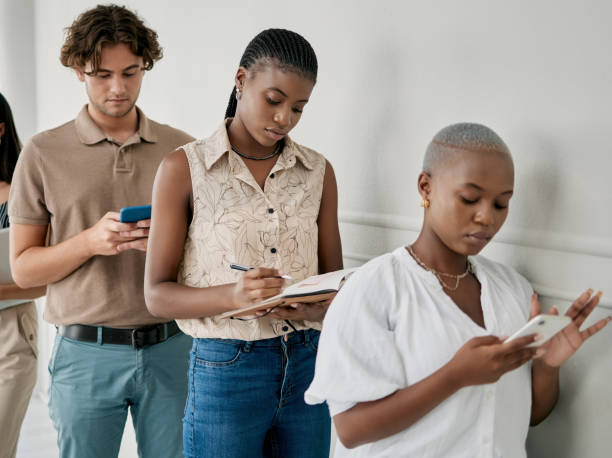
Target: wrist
column 452, row 378
column 234, row 294
column 540, row 366
column 85, row 244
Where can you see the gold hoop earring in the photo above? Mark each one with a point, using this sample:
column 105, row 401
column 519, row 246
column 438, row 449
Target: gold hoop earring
column 425, row 203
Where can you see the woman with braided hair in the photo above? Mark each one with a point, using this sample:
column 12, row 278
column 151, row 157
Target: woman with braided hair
column 248, row 194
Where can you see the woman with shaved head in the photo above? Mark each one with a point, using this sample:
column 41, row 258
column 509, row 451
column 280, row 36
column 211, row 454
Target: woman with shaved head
column 412, row 360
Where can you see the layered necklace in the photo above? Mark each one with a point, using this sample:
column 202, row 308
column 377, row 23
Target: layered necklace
column 439, row 275
column 277, row 150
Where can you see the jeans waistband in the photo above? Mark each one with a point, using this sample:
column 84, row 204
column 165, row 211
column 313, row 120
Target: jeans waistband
column 293, row 338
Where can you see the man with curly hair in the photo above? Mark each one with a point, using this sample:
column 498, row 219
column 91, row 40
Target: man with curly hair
column 110, row 353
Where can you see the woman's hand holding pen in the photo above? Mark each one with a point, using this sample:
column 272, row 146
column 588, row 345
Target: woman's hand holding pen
column 257, row 285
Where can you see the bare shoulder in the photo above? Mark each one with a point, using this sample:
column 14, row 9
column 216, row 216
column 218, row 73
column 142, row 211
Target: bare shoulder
column 175, row 164
column 329, row 170
column 174, row 173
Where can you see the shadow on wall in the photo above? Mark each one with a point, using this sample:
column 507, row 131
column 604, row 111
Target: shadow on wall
column 379, row 108
column 537, row 191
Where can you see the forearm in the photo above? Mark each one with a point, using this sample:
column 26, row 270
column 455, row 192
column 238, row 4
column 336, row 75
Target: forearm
column 172, row 300
column 544, row 389
column 41, row 265
column 12, row 291
column 375, row 420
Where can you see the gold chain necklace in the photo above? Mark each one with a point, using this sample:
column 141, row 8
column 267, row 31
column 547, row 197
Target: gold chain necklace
column 439, row 275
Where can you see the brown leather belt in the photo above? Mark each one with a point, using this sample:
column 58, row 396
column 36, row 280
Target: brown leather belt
column 136, row 338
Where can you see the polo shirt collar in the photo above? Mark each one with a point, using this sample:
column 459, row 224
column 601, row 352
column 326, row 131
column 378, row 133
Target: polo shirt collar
column 90, row 133
column 220, row 145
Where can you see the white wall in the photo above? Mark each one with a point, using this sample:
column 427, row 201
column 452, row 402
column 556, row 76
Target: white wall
column 391, row 74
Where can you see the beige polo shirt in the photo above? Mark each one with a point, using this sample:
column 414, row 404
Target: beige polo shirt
column 234, row 220
column 68, row 178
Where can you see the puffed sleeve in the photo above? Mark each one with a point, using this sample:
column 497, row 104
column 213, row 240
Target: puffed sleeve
column 358, row 359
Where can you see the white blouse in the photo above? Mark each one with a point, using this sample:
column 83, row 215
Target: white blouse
column 391, row 326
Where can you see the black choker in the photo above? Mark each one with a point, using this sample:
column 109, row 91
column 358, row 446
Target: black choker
column 277, row 150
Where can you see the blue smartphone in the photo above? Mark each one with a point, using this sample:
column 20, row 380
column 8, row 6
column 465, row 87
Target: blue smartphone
column 133, row 214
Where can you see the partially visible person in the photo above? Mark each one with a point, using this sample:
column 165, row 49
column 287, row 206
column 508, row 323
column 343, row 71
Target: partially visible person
column 248, row 194
column 18, row 321
column 110, row 353
column 412, row 360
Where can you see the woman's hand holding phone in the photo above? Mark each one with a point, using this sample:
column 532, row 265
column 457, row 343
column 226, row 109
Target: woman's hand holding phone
column 566, row 342
column 483, row 360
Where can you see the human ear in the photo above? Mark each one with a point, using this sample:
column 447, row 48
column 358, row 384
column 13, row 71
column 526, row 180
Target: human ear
column 80, row 74
column 240, row 78
column 424, row 184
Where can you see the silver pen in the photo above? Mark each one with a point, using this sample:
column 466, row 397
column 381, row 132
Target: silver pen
column 246, row 269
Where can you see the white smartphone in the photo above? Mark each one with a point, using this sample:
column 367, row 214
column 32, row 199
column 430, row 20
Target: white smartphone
column 545, row 325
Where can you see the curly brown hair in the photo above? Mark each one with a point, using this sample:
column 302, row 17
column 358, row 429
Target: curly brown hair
column 108, row 25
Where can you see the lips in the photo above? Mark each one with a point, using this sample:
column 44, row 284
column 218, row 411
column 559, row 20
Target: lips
column 276, row 134
column 479, row 238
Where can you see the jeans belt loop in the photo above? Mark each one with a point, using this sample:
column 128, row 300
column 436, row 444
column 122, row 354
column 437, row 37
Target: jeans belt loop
column 247, row 346
column 306, row 336
column 99, row 341
column 136, row 342
column 165, row 333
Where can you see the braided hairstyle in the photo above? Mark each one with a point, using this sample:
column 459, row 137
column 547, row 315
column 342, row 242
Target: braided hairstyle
column 285, row 49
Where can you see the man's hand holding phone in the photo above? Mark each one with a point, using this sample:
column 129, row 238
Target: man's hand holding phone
column 109, row 236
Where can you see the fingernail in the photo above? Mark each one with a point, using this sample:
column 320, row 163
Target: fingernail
column 538, row 337
column 599, row 293
column 539, row 352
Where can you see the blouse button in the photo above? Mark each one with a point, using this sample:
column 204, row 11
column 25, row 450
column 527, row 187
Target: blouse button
column 270, row 210
column 273, row 250
column 271, row 175
column 285, row 328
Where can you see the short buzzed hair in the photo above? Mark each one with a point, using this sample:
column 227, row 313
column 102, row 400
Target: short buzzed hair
column 463, row 136
column 108, row 25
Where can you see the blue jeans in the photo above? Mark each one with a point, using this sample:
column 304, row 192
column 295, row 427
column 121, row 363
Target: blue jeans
column 246, row 399
column 92, row 387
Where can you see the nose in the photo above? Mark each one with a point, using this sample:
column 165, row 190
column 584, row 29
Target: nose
column 485, row 214
column 117, row 85
column 282, row 116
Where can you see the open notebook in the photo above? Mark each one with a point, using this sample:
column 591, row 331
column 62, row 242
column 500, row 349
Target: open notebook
column 313, row 289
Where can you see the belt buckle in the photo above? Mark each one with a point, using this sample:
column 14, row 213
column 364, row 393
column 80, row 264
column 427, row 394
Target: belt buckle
column 137, row 338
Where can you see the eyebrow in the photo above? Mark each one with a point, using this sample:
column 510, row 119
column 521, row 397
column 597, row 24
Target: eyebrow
column 131, row 67
column 473, row 185
column 283, row 94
